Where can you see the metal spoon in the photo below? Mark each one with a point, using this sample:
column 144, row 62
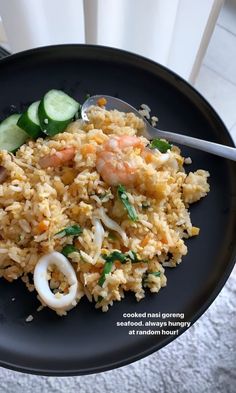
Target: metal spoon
column 152, row 133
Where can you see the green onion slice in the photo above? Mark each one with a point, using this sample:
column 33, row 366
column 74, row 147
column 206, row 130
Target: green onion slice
column 156, row 274
column 110, row 259
column 117, row 256
column 125, row 200
column 145, row 276
column 133, row 257
column 68, row 249
column 73, row 230
column 106, row 270
column 161, row 145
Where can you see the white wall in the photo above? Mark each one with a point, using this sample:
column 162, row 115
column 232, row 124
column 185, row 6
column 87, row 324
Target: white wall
column 174, row 33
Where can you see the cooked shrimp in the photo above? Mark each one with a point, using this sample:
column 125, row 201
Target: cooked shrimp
column 111, row 162
column 58, row 159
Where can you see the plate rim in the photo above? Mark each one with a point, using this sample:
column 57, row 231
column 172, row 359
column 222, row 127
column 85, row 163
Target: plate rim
column 220, row 285
column 128, row 53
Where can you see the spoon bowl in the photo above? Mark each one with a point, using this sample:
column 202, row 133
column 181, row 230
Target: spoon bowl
column 151, row 132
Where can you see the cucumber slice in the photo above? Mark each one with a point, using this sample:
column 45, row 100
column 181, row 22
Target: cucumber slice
column 11, row 136
column 56, row 110
column 29, row 121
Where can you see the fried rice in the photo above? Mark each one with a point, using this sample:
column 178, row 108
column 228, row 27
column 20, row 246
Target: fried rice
column 36, row 203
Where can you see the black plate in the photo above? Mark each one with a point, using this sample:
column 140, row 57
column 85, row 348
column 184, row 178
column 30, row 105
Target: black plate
column 87, row 340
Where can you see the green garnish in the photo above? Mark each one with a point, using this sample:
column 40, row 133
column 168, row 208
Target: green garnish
column 161, row 145
column 133, row 256
column 145, row 276
column 156, row 274
column 125, row 200
column 68, row 249
column 116, row 256
column 110, row 259
column 73, row 230
column 106, row 270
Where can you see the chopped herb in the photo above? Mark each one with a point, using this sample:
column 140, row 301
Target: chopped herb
column 161, row 145
column 145, row 205
column 145, row 276
column 133, row 256
column 110, row 259
column 156, row 274
column 123, row 258
column 68, row 249
column 125, row 200
column 116, row 256
column 106, row 270
column 73, row 230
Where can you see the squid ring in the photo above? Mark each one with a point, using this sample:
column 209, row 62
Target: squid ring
column 57, row 303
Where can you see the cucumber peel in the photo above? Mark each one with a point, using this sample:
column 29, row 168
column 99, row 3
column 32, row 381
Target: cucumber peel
column 29, row 121
column 12, row 136
column 56, row 110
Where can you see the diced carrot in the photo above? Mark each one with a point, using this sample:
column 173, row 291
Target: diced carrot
column 75, row 210
column 149, row 157
column 164, row 239
column 88, row 149
column 68, row 176
column 101, row 101
column 42, row 226
column 145, row 240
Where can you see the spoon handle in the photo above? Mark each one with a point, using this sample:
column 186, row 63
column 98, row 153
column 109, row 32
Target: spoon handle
column 209, row 147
